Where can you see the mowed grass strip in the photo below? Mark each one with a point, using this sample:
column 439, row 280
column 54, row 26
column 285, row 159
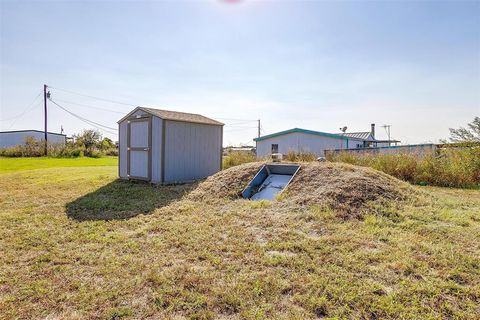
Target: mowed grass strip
column 78, row 244
column 8, row 165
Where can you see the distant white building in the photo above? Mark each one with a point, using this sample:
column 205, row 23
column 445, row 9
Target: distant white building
column 14, row 138
column 302, row 140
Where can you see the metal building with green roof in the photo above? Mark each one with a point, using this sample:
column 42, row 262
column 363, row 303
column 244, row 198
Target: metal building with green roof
column 303, row 140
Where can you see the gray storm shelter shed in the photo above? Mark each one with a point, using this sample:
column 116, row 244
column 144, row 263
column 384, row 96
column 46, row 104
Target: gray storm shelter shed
column 166, row 147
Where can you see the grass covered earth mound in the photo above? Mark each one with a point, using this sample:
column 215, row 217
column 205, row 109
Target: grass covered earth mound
column 350, row 191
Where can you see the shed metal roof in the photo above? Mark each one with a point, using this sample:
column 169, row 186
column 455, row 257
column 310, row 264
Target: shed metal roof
column 299, row 130
column 176, row 116
column 18, row 131
column 356, row 135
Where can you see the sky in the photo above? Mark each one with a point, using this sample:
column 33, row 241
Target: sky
column 315, row 65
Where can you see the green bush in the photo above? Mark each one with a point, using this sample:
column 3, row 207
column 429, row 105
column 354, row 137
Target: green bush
column 35, row 148
column 11, row 152
column 95, row 153
column 31, row 148
column 112, row 152
column 450, row 167
column 67, row 151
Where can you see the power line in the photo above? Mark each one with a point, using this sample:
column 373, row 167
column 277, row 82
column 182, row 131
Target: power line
column 90, row 106
column 90, row 122
column 82, row 118
column 235, row 130
column 93, row 97
column 238, row 125
column 246, row 127
column 130, row 105
column 235, row 119
column 25, row 110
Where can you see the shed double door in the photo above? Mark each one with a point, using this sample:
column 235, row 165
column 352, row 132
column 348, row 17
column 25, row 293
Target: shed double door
column 139, row 148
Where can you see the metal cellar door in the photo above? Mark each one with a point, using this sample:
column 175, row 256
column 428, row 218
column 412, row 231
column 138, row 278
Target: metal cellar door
column 139, row 148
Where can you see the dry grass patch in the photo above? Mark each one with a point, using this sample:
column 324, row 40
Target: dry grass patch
column 227, row 258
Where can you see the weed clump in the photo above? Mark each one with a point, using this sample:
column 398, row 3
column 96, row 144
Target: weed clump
column 300, row 156
column 451, row 167
column 233, row 159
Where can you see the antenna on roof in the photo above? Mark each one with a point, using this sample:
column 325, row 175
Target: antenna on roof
column 344, row 129
column 387, row 129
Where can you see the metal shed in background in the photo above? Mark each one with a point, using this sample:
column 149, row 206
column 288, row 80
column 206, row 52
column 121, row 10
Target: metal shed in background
column 163, row 146
column 15, row 138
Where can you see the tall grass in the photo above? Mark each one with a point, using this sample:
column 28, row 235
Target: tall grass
column 451, row 167
column 236, row 158
column 300, row 156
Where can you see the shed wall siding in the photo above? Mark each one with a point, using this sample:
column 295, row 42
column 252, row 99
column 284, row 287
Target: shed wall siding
column 122, row 149
column 12, row 139
column 192, row 151
column 300, row 142
column 157, row 124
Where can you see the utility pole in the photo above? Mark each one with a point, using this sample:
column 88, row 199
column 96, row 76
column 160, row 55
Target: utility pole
column 45, row 115
column 258, row 128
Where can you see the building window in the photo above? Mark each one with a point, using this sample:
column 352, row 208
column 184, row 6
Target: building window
column 274, row 148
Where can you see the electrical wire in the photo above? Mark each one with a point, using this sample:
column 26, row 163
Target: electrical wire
column 28, row 110
column 93, row 97
column 90, row 122
column 235, row 130
column 90, row 106
column 244, row 127
column 236, row 119
column 24, row 111
column 238, row 125
column 239, row 122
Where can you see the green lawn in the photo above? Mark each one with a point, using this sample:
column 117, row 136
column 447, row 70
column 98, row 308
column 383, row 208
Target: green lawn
column 76, row 243
column 17, row 164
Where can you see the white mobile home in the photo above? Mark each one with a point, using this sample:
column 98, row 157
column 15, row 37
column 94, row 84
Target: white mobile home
column 163, row 146
column 301, row 140
column 15, row 138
